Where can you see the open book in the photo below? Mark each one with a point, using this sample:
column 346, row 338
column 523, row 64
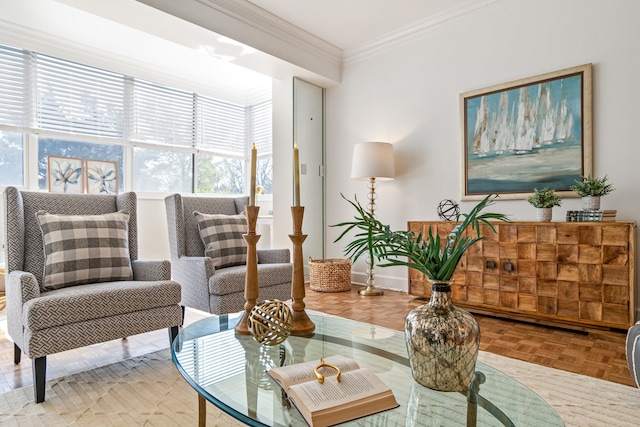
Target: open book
column 359, row 393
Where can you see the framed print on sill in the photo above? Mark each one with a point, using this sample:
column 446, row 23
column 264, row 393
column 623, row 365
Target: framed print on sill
column 64, row 175
column 527, row 134
column 102, row 177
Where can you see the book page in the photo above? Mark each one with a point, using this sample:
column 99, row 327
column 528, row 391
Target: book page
column 303, row 372
column 354, row 386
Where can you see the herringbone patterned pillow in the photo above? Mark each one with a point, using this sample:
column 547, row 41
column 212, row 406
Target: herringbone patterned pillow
column 222, row 238
column 82, row 249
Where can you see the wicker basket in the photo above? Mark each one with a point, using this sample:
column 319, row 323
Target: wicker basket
column 330, row 275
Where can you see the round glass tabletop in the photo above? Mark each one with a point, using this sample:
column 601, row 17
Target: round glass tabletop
column 229, row 370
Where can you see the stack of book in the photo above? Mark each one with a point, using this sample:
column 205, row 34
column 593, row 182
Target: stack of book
column 586, row 216
column 609, row 215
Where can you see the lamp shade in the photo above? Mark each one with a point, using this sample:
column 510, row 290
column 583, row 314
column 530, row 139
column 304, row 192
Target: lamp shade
column 373, row 160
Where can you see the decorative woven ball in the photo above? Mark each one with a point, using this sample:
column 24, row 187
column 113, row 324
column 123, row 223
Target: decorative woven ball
column 270, row 323
column 448, row 209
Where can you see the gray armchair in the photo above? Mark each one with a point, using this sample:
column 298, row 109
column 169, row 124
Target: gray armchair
column 85, row 291
column 633, row 352
column 214, row 289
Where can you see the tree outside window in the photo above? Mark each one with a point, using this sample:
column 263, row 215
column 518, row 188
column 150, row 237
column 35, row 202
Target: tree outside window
column 11, row 158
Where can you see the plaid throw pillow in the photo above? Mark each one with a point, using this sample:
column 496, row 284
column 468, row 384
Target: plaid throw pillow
column 222, row 238
column 80, row 249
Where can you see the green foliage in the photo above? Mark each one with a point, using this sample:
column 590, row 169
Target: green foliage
column 435, row 257
column 545, row 198
column 589, row 186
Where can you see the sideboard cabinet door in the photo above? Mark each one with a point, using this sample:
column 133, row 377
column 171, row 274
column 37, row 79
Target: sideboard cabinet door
column 573, row 274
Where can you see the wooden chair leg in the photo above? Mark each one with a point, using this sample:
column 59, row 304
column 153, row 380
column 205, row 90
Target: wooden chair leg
column 17, row 354
column 39, row 377
column 183, row 309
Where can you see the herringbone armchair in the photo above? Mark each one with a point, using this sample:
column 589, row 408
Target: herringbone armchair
column 210, row 283
column 633, row 352
column 74, row 278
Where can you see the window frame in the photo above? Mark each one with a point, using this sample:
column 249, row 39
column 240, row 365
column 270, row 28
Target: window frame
column 31, row 132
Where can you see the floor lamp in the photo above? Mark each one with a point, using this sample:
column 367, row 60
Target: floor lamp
column 372, row 161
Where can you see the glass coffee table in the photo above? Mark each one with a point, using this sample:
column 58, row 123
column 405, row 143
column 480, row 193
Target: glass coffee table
column 229, row 371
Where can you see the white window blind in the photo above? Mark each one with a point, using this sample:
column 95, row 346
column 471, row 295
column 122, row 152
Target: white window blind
column 78, row 99
column 260, row 127
column 15, row 93
column 162, row 115
column 42, row 92
column 221, row 127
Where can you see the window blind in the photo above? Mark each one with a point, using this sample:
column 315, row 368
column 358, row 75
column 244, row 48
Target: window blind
column 15, row 93
column 78, row 99
column 260, row 127
column 42, row 92
column 221, row 126
column 162, row 115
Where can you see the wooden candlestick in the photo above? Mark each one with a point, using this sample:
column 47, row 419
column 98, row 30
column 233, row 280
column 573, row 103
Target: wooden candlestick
column 302, row 325
column 251, row 277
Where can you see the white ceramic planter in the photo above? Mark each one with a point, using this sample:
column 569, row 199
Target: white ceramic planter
column 544, row 214
column 591, row 203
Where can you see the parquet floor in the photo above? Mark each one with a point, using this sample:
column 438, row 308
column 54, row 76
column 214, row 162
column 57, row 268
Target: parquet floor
column 552, row 347
column 556, row 348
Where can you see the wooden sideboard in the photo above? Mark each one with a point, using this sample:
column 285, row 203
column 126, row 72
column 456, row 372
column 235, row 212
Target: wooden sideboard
column 579, row 275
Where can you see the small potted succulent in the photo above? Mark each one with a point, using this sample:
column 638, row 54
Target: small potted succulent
column 591, row 189
column 544, row 200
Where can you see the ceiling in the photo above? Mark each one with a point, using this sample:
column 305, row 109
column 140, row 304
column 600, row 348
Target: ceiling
column 116, row 32
column 349, row 23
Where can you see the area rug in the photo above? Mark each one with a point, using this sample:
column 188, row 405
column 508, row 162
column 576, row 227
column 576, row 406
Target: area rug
column 142, row 391
column 149, row 391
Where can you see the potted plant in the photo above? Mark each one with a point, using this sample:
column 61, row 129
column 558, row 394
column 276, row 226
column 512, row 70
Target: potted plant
column 591, row 189
column 544, row 200
column 442, row 339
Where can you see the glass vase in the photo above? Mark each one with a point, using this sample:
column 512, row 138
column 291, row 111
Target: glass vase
column 442, row 342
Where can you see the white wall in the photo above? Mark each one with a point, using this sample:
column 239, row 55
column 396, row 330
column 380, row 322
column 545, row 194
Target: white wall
column 408, row 95
column 153, row 236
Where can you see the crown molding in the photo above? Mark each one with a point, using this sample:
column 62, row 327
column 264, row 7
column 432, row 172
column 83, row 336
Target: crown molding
column 410, row 33
column 250, row 14
column 249, row 24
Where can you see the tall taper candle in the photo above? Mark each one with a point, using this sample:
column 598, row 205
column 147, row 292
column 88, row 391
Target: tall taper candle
column 252, row 188
column 296, row 175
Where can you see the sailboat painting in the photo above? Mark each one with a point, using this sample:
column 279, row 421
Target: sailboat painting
column 528, row 134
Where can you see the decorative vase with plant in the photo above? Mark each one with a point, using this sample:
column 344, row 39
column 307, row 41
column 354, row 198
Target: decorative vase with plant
column 442, row 339
column 544, row 200
column 591, row 189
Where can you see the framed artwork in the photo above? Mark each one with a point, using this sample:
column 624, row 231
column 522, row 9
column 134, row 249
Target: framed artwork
column 527, row 134
column 64, row 175
column 102, row 177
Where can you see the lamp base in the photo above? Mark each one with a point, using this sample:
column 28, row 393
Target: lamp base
column 370, row 291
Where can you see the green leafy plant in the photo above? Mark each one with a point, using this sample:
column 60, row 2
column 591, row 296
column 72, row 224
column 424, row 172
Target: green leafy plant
column 545, row 198
column 435, row 257
column 589, row 186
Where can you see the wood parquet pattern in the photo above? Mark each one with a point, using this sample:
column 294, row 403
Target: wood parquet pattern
column 556, row 348
column 567, row 350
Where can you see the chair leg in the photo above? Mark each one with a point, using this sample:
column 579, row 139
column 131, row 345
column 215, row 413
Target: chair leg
column 17, row 354
column 183, row 309
column 39, row 377
column 173, row 333
column 223, row 320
